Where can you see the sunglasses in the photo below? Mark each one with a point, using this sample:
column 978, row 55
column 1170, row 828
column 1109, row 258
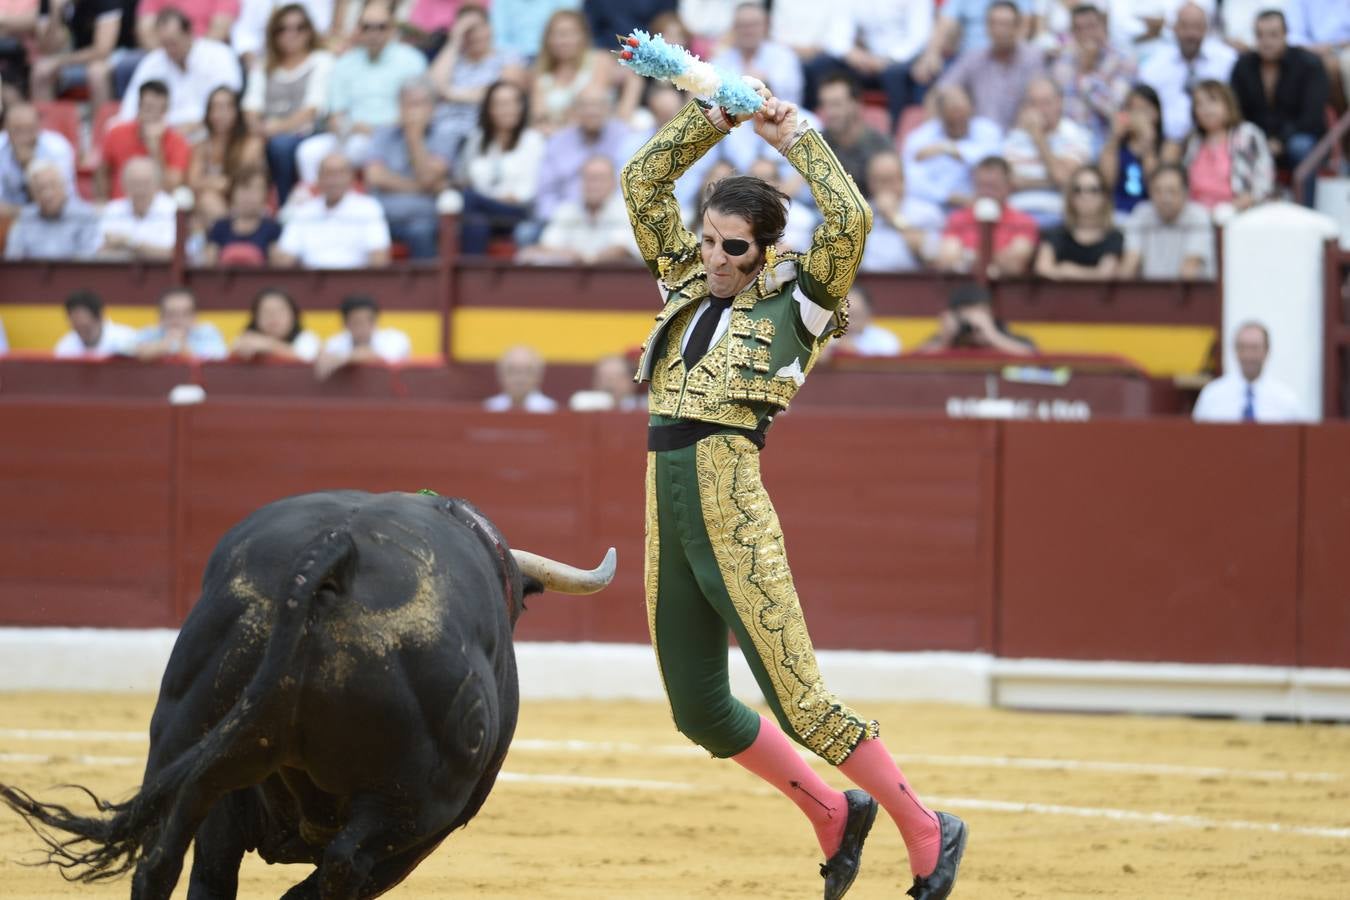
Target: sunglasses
column 292, row 26
column 374, row 26
column 731, row 246
column 1087, row 189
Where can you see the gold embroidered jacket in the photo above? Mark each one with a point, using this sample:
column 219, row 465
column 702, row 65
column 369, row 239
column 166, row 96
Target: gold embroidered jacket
column 757, row 367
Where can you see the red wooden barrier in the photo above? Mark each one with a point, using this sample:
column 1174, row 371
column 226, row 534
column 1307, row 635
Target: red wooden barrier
column 1324, row 619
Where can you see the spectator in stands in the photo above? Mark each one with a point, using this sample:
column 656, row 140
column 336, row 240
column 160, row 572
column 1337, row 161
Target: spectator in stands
column 1088, row 246
column 361, row 341
column 246, row 236
column 56, row 225
column 568, row 68
column 81, row 45
column 1094, row 77
column 1226, row 158
column 612, row 388
column 865, row 337
column 713, row 174
column 499, row 168
column 228, row 149
column 1283, row 90
column 940, row 153
column 1247, row 395
column 752, row 53
column 149, row 136
column 1323, row 27
column 330, row 21
column 409, row 166
column 853, row 140
column 141, row 225
column 339, row 229
column 178, row 332
column 886, row 40
column 1175, row 69
column 905, row 228
column 363, row 90
column 287, row 93
column 594, row 230
column 802, row 218
column 518, row 25
column 606, row 18
column 663, row 102
column 1134, row 148
column 818, row 33
column 190, row 67
column 520, row 374
column 1044, row 150
column 1167, row 236
column 670, row 26
column 18, row 26
column 969, row 323
column 960, row 27
column 1015, row 234
column 275, row 330
column 597, row 132
column 22, row 143
column 996, row 76
column 91, row 333
column 466, row 67
column 206, row 18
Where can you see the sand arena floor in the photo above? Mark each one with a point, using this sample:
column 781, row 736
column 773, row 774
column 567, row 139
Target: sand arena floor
column 604, row 800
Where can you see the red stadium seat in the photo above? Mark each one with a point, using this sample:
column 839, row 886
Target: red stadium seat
column 62, row 117
column 877, row 117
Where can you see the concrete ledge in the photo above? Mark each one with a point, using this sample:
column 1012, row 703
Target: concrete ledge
column 112, row 660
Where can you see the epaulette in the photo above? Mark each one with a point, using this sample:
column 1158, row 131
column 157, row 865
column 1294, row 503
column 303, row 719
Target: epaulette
column 676, row 272
column 777, row 272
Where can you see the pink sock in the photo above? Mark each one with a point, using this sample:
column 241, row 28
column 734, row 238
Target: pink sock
column 871, row 768
column 773, row 758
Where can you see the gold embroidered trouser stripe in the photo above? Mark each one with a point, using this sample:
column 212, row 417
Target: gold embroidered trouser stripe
column 716, row 561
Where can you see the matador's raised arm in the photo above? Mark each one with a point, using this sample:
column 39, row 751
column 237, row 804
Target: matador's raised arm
column 827, row 272
column 648, row 183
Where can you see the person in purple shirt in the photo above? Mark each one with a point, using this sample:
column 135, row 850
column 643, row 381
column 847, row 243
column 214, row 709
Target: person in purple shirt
column 596, row 133
column 997, row 76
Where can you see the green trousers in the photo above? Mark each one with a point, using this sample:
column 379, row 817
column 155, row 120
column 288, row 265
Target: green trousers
column 715, row 562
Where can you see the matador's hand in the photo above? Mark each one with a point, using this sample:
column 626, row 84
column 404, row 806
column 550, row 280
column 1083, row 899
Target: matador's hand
column 776, row 122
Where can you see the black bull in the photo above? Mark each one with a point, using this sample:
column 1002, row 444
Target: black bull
column 342, row 694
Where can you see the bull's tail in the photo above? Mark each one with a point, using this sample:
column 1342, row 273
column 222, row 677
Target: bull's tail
column 98, row 847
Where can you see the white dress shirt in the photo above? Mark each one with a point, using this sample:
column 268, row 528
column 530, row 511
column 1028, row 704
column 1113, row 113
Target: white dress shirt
column 155, row 229
column 535, row 402
column 210, row 64
column 338, row 237
column 775, row 62
column 389, row 344
column 935, row 179
column 897, row 31
column 1170, row 75
column 1225, row 398
column 114, row 339
column 812, row 23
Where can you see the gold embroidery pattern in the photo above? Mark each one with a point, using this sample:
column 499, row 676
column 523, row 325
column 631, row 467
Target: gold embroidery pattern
column 747, row 542
column 648, row 182
column 652, row 564
column 837, row 245
column 701, row 394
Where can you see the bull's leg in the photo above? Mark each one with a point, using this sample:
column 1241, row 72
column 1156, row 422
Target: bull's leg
column 374, row 833
column 219, row 848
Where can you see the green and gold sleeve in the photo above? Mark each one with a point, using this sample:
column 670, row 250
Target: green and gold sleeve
column 648, row 184
column 827, row 272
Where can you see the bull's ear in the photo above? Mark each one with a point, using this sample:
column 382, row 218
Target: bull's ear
column 530, row 586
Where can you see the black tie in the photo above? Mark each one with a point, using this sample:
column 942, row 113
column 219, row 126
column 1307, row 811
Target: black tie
column 701, row 336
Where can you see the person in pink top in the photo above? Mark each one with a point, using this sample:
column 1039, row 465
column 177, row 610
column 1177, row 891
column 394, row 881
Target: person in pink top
column 1227, row 159
column 209, row 18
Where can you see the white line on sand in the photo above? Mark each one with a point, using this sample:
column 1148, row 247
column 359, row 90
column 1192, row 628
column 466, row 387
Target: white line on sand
column 77, row 759
column 536, row 745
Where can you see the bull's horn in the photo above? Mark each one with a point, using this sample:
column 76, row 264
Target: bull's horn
column 565, row 579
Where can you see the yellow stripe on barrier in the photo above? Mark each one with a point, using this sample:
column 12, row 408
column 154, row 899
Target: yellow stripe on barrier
column 582, row 336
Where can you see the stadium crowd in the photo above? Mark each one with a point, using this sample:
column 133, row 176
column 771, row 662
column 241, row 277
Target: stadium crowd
column 327, row 133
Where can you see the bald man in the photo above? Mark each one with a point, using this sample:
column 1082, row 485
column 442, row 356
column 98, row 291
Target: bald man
column 1174, row 69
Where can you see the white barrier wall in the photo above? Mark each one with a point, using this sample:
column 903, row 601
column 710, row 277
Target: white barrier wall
column 1272, row 273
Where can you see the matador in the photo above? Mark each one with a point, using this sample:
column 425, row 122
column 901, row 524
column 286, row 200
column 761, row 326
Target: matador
column 739, row 330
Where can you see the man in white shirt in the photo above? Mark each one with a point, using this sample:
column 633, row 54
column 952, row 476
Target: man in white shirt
column 339, row 229
column 1044, row 150
column 91, row 335
column 55, row 225
column 23, row 142
column 818, row 33
column 1167, row 236
column 520, row 372
column 865, row 337
column 1245, row 396
column 361, row 341
column 1172, row 71
column 905, row 229
column 594, row 230
column 752, row 53
column 143, row 224
column 941, row 153
column 191, row 68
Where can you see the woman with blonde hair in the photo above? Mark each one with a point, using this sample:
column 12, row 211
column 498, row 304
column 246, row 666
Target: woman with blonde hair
column 1088, row 246
column 1226, row 158
column 287, row 93
column 568, row 65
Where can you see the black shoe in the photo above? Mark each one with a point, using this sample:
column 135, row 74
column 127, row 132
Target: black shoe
column 841, row 868
column 938, row 886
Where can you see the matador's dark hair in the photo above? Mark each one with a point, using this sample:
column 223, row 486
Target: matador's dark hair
column 755, row 200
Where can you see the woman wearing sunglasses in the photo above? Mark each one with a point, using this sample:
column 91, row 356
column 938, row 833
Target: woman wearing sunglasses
column 739, row 331
column 1087, row 247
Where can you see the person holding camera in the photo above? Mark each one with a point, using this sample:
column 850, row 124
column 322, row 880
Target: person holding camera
column 969, row 323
